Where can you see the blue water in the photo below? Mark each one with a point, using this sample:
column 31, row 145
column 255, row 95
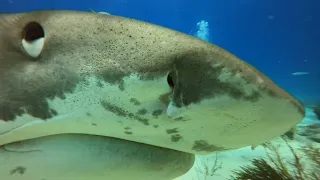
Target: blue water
column 278, row 37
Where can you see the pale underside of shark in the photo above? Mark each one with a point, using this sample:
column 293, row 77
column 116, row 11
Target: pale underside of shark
column 109, row 90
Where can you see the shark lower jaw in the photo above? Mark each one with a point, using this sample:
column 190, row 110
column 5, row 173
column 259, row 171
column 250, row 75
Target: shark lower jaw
column 80, row 156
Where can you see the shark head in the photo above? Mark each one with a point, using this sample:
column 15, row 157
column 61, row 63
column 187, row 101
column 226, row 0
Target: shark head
column 76, row 72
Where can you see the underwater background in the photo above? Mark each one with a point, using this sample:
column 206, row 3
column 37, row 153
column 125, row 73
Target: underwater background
column 279, row 37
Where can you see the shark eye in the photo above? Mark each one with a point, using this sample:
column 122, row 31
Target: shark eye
column 170, row 80
column 33, row 39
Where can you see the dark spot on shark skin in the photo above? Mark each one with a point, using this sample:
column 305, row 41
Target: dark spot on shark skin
column 26, row 96
column 114, row 77
column 19, row 169
column 128, row 132
column 127, row 128
column 99, row 84
column 38, row 109
column 135, row 101
column 171, row 131
column 157, row 112
column 114, row 109
column 202, row 145
column 154, row 72
column 197, row 80
column 121, row 112
column 143, row 121
column 142, row 112
column 176, row 137
column 88, row 114
column 140, row 119
column 155, row 126
column 93, row 124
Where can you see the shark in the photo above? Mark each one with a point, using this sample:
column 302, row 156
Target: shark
column 82, row 93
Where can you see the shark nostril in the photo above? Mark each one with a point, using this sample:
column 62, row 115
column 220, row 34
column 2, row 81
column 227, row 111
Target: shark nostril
column 170, row 80
column 33, row 39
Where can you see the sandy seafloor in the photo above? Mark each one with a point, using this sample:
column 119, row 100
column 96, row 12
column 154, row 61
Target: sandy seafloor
column 232, row 160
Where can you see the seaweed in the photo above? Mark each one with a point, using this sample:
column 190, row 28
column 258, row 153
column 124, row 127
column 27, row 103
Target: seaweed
column 260, row 170
column 313, row 154
column 277, row 167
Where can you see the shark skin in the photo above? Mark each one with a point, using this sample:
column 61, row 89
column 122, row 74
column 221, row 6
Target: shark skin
column 72, row 72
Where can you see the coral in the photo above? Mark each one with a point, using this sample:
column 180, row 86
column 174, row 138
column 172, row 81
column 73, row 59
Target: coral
column 203, row 30
column 207, row 169
column 313, row 153
column 277, row 166
column 316, row 110
column 311, row 132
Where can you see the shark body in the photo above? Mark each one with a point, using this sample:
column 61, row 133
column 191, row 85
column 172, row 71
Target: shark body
column 71, row 76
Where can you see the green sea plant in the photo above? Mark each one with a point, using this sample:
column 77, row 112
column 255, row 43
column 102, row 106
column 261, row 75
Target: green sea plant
column 304, row 164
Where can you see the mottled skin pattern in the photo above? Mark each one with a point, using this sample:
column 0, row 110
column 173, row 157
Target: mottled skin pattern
column 121, row 78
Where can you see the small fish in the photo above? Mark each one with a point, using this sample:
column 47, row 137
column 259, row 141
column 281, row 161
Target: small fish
column 300, row 73
column 106, row 13
column 101, row 12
